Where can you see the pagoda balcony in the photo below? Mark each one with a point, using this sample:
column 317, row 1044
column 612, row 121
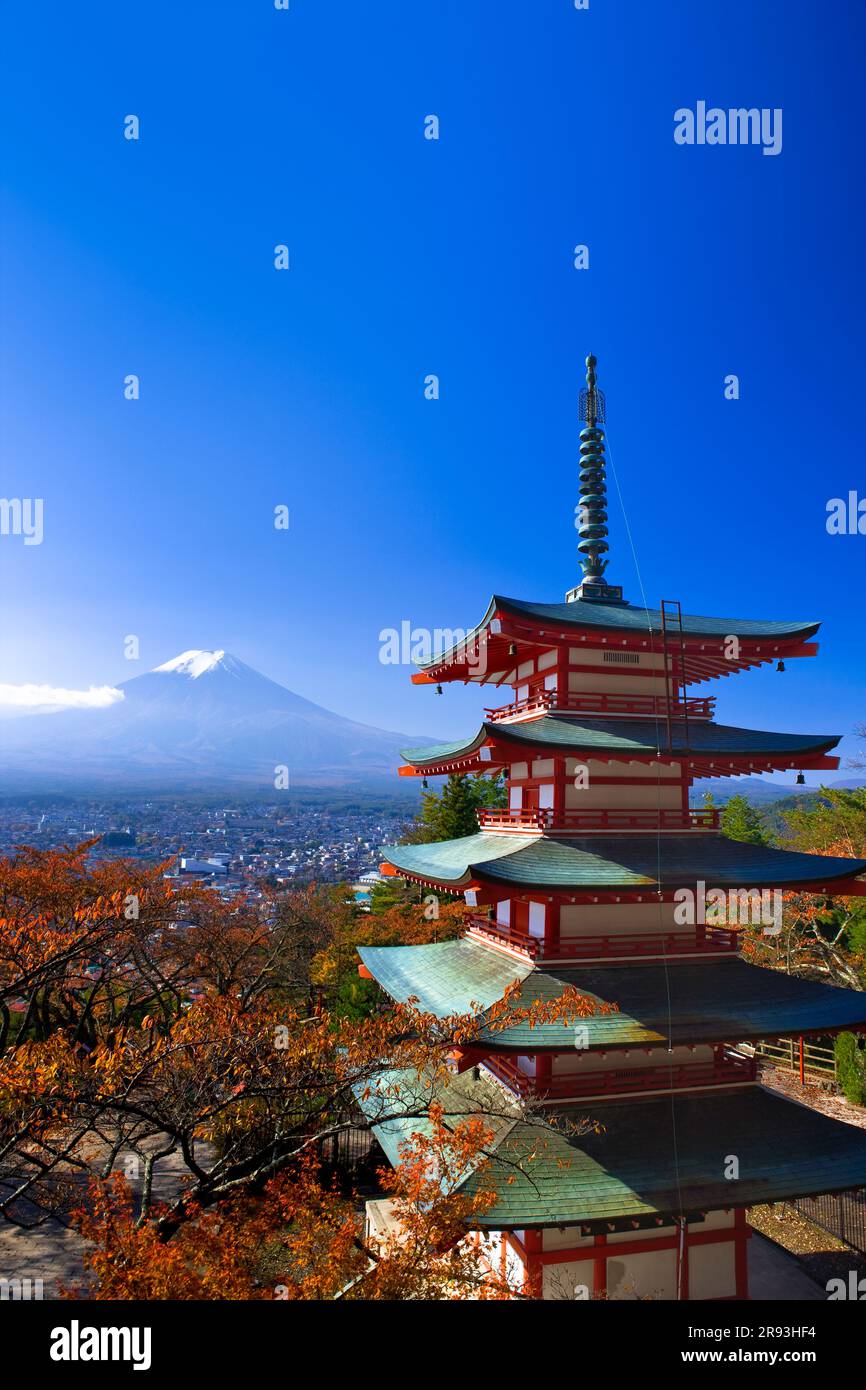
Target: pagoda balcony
column 609, row 946
column 730, row 1068
column 571, row 821
column 499, row 818
column 539, row 703
column 603, row 704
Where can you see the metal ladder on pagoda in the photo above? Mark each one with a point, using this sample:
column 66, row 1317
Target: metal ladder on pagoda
column 674, row 653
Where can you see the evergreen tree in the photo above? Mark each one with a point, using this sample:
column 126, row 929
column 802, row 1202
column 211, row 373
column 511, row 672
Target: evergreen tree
column 741, row 821
column 453, row 812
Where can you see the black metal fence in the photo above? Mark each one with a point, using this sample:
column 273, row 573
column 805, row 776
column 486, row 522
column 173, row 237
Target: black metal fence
column 353, row 1157
column 843, row 1214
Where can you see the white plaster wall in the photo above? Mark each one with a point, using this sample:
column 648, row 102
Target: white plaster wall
column 657, row 770
column 536, row 919
column 559, row 1282
column 543, row 767
column 715, row 1221
column 712, row 1271
column 615, row 681
column 653, row 1275
column 564, row 1238
column 647, row 796
column 597, row 919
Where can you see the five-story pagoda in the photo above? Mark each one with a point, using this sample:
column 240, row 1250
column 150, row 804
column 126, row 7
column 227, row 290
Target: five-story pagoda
column 596, row 878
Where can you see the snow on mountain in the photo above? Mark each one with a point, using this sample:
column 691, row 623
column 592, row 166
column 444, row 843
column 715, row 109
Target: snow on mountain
column 202, row 719
column 194, row 664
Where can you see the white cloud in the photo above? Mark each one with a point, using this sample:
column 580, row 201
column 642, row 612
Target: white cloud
column 55, row 697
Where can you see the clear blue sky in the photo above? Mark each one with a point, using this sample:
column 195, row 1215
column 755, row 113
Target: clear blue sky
column 411, row 257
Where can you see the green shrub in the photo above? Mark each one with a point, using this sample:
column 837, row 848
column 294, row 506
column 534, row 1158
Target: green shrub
column 851, row 1067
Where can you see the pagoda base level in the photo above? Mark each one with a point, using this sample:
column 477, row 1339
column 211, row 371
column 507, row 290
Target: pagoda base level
column 703, row 1259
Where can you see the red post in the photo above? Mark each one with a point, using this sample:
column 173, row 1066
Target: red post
column 741, row 1253
column 551, row 926
column 683, row 1261
column 533, row 1285
column 543, row 1072
column 599, row 1268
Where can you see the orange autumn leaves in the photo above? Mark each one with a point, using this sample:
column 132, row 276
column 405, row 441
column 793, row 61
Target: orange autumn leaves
column 189, row 1032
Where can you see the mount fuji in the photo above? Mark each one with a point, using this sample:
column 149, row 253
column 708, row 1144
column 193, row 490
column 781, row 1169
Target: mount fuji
column 204, row 720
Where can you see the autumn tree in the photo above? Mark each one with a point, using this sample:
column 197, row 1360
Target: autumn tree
column 822, row 937
column 204, row 1047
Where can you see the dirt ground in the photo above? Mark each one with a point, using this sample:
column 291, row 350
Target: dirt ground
column 819, row 1095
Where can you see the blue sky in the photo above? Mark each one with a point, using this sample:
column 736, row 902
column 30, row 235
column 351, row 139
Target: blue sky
column 409, row 257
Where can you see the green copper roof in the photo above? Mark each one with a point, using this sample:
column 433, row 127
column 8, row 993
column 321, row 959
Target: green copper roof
column 626, row 617
column 654, row 1156
column 628, row 736
column 447, row 977
column 609, row 862
column 581, row 613
column 683, row 1002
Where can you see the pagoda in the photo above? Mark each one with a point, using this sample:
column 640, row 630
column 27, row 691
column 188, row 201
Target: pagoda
column 583, row 882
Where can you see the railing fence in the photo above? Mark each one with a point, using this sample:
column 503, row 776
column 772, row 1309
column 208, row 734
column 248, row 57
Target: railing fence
column 819, row 1062
column 842, row 1214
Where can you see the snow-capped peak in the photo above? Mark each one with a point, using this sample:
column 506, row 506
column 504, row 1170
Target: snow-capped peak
column 193, row 663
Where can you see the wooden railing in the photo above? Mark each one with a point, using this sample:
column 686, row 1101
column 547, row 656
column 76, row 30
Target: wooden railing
column 501, row 818
column 506, row 936
column 539, row 703
column 650, row 818
column 731, row 1069
column 603, row 702
column 607, row 945
column 817, row 1060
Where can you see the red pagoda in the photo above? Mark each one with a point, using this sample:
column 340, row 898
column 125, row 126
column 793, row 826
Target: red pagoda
column 595, row 877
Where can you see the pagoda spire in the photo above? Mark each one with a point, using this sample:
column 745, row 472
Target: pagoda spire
column 592, row 506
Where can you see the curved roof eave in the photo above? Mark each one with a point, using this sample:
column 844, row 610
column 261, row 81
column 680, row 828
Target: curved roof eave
column 599, row 735
column 615, row 862
column 627, row 617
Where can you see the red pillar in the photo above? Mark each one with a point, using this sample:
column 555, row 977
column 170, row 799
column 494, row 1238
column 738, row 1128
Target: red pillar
column 559, row 780
column 599, row 1268
column 543, row 1071
column 533, row 1283
column 683, row 1261
column 741, row 1253
column 551, row 926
